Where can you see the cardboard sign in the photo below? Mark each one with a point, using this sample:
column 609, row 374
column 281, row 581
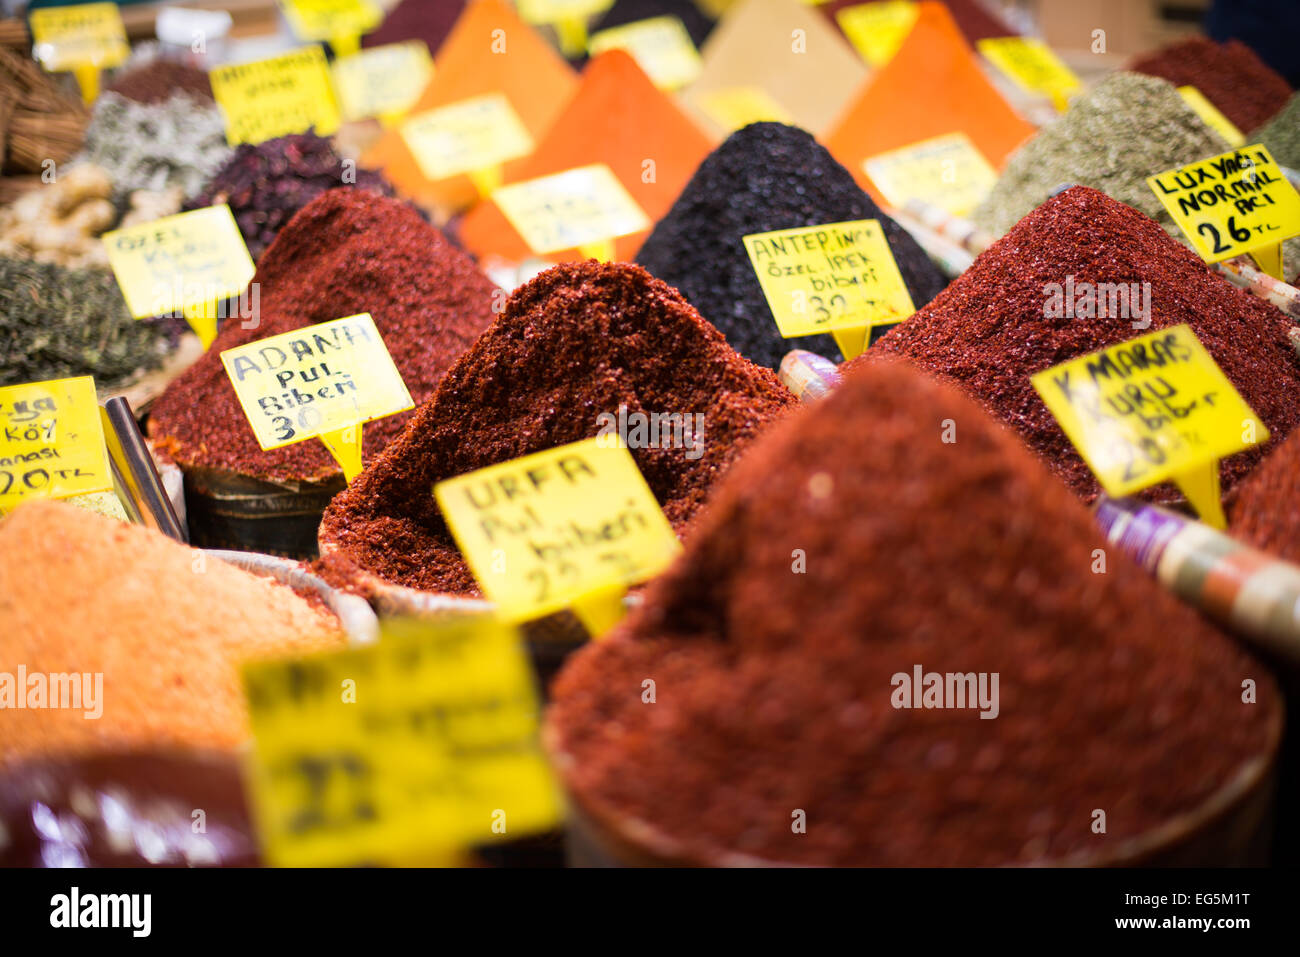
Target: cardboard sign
column 401, row 752
column 190, row 262
column 86, row 34
column 340, row 22
column 1031, row 65
column 322, row 381
column 470, row 136
column 546, row 531
column 877, row 30
column 584, row 208
column 51, row 441
column 735, row 107
column 839, row 278
column 661, row 47
column 1211, row 116
column 1235, row 203
column 1153, row 409
column 384, row 81
column 275, row 97
column 948, row 171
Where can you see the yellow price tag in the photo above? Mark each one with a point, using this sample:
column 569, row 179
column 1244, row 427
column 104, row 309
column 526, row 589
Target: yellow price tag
column 401, row 752
column 948, row 171
column 734, row 107
column 877, row 30
column 1211, row 116
column 86, row 34
column 579, row 207
column 471, row 135
column 51, row 441
column 1238, row 202
column 1156, row 408
column 661, row 47
column 568, row 17
column 839, row 278
column 189, row 263
column 571, row 526
column 384, row 81
column 339, row 22
column 275, row 97
column 1031, row 65
column 322, row 381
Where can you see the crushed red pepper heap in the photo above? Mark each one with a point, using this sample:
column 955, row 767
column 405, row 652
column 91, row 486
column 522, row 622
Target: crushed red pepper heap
column 1263, row 511
column 987, row 331
column 579, row 340
column 346, row 252
column 774, row 679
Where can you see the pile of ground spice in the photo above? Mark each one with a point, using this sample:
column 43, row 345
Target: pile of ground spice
column 347, row 251
column 825, row 568
column 1282, row 134
column 1113, row 137
column 765, row 176
column 161, row 79
column 426, row 20
column 1262, row 510
column 165, row 625
column 987, row 331
column 266, row 183
column 579, row 340
column 1230, row 75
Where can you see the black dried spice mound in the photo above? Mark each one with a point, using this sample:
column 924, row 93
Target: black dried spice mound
column 766, row 176
column 266, row 183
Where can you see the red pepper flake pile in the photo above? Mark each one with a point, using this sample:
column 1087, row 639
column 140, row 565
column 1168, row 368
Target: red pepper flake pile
column 346, row 252
column 1230, row 75
column 987, row 331
column 579, row 340
column 827, row 563
column 1263, row 511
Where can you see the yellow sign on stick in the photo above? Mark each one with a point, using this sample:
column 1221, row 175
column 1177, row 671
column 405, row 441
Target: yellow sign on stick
column 402, row 752
column 384, row 81
column 947, row 171
column 1211, row 116
column 322, row 381
column 338, row 22
column 585, row 208
column 1156, row 408
column 51, row 441
column 839, row 278
column 1235, row 203
column 573, row 526
column 568, row 17
column 472, row 136
column 877, row 30
column 84, row 39
column 661, row 47
column 1031, row 65
column 285, row 94
column 189, row 263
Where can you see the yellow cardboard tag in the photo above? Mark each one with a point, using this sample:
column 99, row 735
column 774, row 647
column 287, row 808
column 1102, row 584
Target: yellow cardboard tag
column 734, row 107
column 86, row 34
column 334, row 21
column 661, row 47
column 570, row 209
column 1031, row 65
column 1211, row 116
column 830, row 278
column 877, row 30
column 948, row 171
column 190, row 262
column 402, row 751
column 475, row 134
column 322, row 381
column 384, row 81
column 1152, row 409
column 275, row 97
column 51, row 441
column 1231, row 204
column 548, row 530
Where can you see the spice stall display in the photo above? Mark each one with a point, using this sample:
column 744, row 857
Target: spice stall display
column 1050, row 290
column 348, row 251
column 617, row 117
column 580, row 340
column 783, row 696
column 766, row 176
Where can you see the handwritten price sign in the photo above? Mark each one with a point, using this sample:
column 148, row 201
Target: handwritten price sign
column 51, row 441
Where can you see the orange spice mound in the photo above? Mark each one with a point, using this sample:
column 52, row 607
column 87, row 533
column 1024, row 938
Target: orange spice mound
column 165, row 625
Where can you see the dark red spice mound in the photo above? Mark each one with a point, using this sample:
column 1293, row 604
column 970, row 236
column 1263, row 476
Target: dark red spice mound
column 579, row 340
column 987, row 331
column 161, row 79
column 346, row 252
column 427, row 20
column 774, row 687
column 1264, row 509
column 1230, row 75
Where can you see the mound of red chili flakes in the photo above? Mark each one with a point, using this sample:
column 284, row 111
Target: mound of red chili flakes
column 1263, row 511
column 579, row 340
column 347, row 251
column 988, row 333
column 851, row 546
